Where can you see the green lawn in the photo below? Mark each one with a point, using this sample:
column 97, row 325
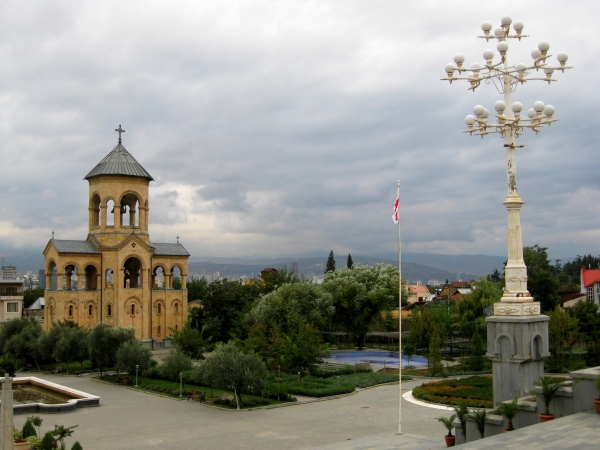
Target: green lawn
column 211, row 395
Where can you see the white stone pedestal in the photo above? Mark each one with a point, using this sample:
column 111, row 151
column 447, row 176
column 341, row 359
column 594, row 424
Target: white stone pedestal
column 517, row 347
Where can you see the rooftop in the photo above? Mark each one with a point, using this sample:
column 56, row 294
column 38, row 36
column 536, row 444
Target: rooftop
column 119, row 162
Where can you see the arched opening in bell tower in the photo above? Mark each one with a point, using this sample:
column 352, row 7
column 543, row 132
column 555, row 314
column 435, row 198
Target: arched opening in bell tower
column 130, row 206
column 110, row 213
column 132, row 273
column 95, row 218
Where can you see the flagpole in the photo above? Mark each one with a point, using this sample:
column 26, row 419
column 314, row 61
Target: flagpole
column 399, row 320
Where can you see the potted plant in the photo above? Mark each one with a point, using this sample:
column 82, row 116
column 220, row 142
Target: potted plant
column 462, row 412
column 597, row 400
column 449, row 424
column 550, row 386
column 479, row 416
column 19, row 442
column 509, row 410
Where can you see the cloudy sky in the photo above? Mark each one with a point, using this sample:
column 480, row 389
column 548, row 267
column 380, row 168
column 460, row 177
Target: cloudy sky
column 281, row 128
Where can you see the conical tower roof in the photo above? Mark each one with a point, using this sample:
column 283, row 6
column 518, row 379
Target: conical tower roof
column 119, row 162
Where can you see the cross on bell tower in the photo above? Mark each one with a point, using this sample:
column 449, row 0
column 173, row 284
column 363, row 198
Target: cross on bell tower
column 120, row 131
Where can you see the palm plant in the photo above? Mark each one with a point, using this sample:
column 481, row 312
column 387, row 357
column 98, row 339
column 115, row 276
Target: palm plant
column 479, row 416
column 448, row 423
column 550, row 386
column 462, row 412
column 509, row 410
column 60, row 432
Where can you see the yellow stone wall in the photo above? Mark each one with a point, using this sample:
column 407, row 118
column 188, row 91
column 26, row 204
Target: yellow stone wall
column 118, row 302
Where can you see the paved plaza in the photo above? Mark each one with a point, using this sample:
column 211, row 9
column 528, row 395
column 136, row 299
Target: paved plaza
column 133, row 420
column 128, row 419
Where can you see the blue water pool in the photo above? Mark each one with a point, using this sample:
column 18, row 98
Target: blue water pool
column 388, row 358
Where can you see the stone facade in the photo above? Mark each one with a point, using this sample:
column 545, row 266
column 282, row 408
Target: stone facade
column 112, row 277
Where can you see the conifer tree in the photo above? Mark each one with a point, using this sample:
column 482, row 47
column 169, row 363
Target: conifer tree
column 350, row 263
column 330, row 267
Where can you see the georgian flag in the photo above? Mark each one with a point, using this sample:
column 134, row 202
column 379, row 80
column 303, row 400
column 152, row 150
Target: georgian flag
column 396, row 216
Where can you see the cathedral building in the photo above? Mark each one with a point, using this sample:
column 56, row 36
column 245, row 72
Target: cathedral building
column 117, row 276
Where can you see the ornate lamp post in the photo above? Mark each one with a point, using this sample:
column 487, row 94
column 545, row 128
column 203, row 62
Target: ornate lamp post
column 523, row 340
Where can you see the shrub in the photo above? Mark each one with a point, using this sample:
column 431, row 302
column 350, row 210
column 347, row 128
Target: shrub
column 48, row 442
column 76, row 446
column 250, row 403
column 28, row 430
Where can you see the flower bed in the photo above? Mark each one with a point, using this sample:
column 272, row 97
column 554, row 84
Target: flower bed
column 475, row 391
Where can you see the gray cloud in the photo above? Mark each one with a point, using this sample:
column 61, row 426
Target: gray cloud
column 277, row 128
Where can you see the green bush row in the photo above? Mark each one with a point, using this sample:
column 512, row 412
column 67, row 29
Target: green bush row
column 420, row 393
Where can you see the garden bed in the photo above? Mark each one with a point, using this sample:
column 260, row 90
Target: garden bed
column 475, row 391
column 213, row 396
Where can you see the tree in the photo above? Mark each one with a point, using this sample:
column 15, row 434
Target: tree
column 23, row 345
column 330, row 267
column 36, row 421
column 423, row 322
column 67, row 346
column 291, row 305
column 300, row 350
column 131, row 354
column 13, row 327
column 60, row 432
column 173, row 364
column 350, row 263
column 588, row 318
column 409, row 351
column 189, row 341
column 197, row 289
column 475, row 361
column 495, row 276
column 563, row 334
column 227, row 367
column 176, row 283
column 435, row 353
column 76, row 446
column 541, row 284
column 104, row 343
column 31, row 295
column 361, row 294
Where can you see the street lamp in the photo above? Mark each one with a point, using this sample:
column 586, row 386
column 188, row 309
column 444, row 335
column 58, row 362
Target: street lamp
column 137, row 366
column 510, row 124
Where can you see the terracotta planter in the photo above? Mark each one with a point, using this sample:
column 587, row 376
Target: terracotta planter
column 22, row 446
column 597, row 405
column 450, row 441
column 547, row 417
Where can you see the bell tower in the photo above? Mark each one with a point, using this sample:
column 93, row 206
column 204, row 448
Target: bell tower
column 118, row 197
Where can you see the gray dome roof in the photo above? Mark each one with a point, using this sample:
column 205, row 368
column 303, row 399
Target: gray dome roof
column 119, row 162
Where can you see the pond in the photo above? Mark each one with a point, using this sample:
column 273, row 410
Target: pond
column 36, row 395
column 389, row 359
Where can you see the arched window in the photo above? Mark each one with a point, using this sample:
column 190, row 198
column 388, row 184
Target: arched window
column 90, row 310
column 158, row 309
column 158, row 330
column 70, row 310
column 176, row 308
column 176, row 327
column 51, row 310
column 132, row 309
column 109, row 310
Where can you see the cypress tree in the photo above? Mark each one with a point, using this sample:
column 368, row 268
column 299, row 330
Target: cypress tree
column 28, row 430
column 330, row 263
column 350, row 263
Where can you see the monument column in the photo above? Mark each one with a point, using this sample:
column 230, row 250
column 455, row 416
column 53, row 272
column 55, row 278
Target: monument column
column 6, row 414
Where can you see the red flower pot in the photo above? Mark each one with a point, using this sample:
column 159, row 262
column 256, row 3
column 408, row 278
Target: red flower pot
column 597, row 405
column 547, row 417
column 450, row 441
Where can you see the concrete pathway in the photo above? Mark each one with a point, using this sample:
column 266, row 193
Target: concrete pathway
column 132, row 420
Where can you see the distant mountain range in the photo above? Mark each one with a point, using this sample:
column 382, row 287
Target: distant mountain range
column 415, row 266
